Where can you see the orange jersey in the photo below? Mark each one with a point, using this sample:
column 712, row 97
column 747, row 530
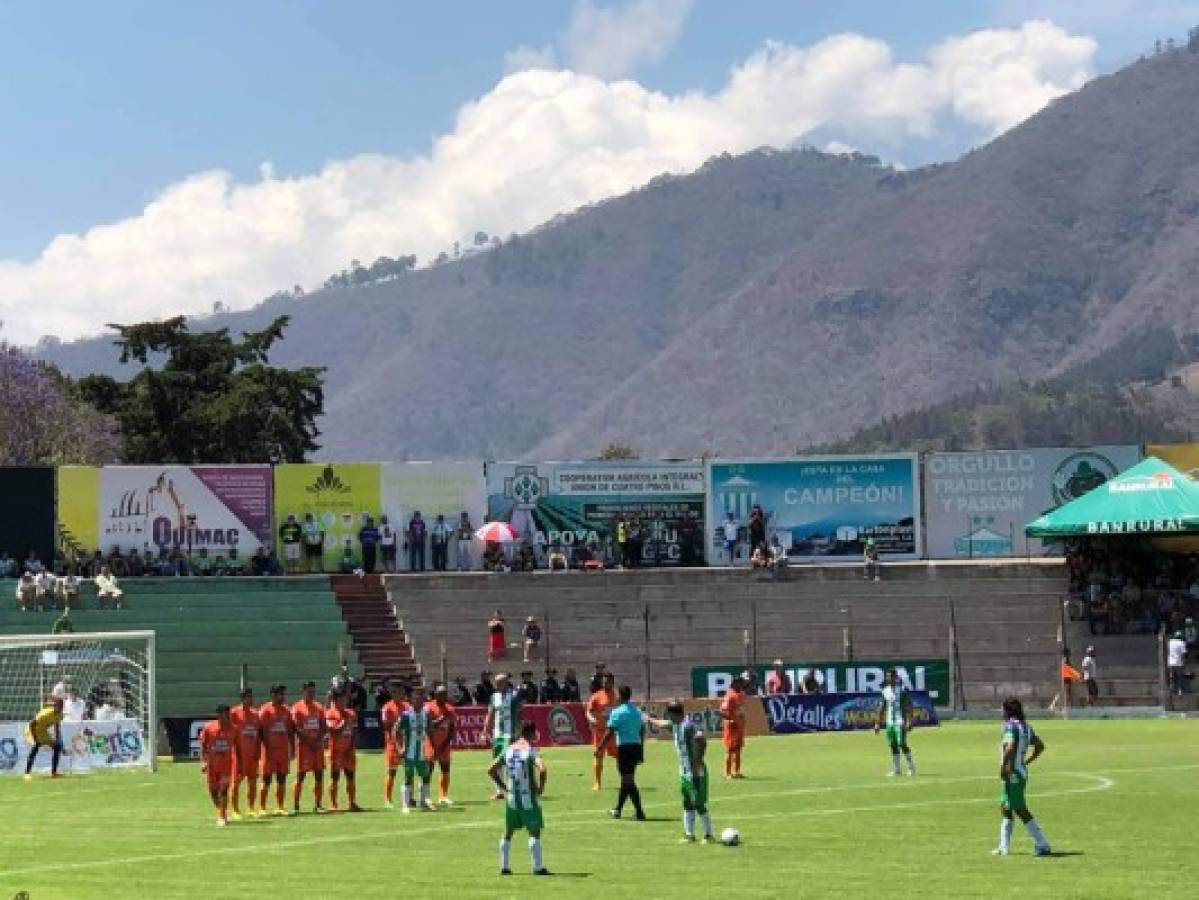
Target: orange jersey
column 309, row 719
column 730, row 709
column 276, row 726
column 442, row 722
column 392, row 710
column 216, row 747
column 342, row 724
column 599, row 705
column 248, row 731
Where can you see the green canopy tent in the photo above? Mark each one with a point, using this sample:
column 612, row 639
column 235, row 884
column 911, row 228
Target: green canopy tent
column 1151, row 498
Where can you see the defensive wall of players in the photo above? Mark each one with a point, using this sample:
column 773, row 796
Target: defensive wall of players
column 933, row 506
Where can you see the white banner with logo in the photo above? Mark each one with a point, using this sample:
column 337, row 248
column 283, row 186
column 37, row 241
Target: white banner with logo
column 977, row 504
column 113, row 743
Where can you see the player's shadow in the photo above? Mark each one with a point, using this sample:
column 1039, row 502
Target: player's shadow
column 556, row 874
column 658, row 819
column 1062, row 854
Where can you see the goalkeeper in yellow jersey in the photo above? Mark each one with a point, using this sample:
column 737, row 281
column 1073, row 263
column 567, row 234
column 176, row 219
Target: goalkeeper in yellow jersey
column 45, row 730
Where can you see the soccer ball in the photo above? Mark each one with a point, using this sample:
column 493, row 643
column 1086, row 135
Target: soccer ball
column 730, row 837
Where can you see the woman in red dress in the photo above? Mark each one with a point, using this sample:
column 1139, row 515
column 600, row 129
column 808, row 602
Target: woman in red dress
column 497, row 645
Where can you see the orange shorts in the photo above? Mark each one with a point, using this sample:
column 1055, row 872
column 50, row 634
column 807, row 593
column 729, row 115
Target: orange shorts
column 734, row 737
column 597, row 737
column 245, row 765
column 275, row 764
column 392, row 756
column 219, row 780
column 309, row 761
column 442, row 754
column 345, row 761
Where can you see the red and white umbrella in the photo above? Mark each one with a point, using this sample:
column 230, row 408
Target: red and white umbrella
column 501, row 532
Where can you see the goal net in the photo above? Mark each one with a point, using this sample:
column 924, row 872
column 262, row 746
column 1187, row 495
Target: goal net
column 106, row 681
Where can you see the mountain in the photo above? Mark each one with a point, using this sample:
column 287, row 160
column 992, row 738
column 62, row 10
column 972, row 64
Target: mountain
column 773, row 300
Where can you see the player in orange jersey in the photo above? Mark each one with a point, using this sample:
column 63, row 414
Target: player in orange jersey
column 342, row 725
column 217, row 743
column 388, row 717
column 278, row 747
column 599, row 705
column 309, row 718
column 732, row 711
column 443, row 725
column 246, row 753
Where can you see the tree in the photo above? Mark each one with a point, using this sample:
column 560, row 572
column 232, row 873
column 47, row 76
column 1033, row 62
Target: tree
column 617, row 451
column 43, row 421
column 212, row 399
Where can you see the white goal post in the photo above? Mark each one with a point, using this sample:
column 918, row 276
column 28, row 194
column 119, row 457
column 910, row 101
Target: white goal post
column 108, row 682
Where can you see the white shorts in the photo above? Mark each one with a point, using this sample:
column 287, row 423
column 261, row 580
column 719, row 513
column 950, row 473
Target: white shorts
column 291, row 552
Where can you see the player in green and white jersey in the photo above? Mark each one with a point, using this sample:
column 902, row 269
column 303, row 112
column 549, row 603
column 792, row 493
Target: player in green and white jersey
column 522, row 785
column 412, row 740
column 1014, row 760
column 503, row 717
column 690, row 742
column 895, row 714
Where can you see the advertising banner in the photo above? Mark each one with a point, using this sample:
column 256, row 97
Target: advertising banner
column 572, row 503
column 803, row 713
column 27, row 512
column 78, row 504
column 704, row 712
column 820, row 507
column 558, row 725
column 931, row 675
column 339, row 496
column 444, row 488
column 1183, row 457
column 113, row 743
column 190, row 508
column 977, row 504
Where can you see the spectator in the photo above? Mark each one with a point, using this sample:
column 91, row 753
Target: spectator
column 497, row 643
column 108, row 591
column 570, row 687
column 368, row 539
column 810, row 684
column 757, row 530
column 460, row 695
column 68, row 591
column 871, row 571
column 1176, row 654
column 1090, row 677
column 598, row 676
column 528, row 689
column 47, row 587
column 387, row 543
column 314, row 544
column 778, row 681
column 8, row 565
column 260, row 562
column 383, row 694
column 750, row 686
column 117, row 563
column 27, row 592
column 759, row 558
column 137, row 566
column 689, row 539
column 355, row 693
column 551, row 690
column 557, row 561
column 202, row 565
column 95, row 564
column 531, row 634
column 466, row 535
column 636, row 542
column 1190, row 634
column 592, row 558
column 74, row 709
column 778, row 557
column 621, row 529
column 730, row 529
column 440, row 536
column 525, row 561
column 348, row 565
column 493, row 557
column 291, row 536
column 416, row 543
column 33, row 564
column 63, row 625
column 484, row 689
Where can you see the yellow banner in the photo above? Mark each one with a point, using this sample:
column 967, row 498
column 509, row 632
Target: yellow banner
column 1185, row 458
column 78, row 489
column 339, row 496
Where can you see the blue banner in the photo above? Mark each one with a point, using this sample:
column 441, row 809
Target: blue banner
column 820, row 507
column 801, row 713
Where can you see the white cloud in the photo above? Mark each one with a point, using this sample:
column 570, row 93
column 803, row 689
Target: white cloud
column 524, row 58
column 538, row 143
column 610, row 42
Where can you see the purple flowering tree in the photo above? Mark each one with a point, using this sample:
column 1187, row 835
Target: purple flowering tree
column 42, row 423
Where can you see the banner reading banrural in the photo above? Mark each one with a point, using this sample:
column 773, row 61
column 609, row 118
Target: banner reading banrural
column 823, row 507
column 193, row 508
column 861, row 677
column 338, row 496
column 977, row 504
column 570, row 503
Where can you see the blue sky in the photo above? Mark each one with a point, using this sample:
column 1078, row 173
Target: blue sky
column 105, row 107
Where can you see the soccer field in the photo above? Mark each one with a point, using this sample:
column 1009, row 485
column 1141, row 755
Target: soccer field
column 1119, row 801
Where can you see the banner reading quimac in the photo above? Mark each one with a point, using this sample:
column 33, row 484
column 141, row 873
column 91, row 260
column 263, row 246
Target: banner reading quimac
column 824, row 507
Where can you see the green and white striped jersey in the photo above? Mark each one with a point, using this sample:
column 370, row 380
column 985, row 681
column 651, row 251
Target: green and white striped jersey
column 520, row 768
column 1020, row 735
column 684, row 736
column 414, row 725
column 895, row 699
column 505, row 714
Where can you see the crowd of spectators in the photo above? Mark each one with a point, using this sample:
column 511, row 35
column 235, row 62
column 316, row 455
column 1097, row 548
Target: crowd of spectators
column 1130, row 587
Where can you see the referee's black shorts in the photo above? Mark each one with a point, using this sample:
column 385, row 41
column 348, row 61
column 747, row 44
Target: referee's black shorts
column 629, row 757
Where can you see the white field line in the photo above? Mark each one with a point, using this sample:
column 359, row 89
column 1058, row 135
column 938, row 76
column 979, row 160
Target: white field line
column 571, row 821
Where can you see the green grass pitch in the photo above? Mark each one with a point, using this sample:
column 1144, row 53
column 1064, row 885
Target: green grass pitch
column 1119, row 800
